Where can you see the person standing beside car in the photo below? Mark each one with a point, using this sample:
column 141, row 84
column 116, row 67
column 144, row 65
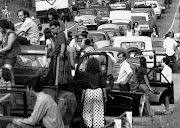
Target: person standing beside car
column 93, row 95
column 28, row 34
column 171, row 45
column 144, row 84
column 125, row 72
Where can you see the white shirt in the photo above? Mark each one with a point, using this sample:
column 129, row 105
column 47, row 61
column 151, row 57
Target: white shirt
column 129, row 33
column 124, row 71
column 74, row 44
column 167, row 72
column 31, row 31
column 169, row 44
column 77, row 18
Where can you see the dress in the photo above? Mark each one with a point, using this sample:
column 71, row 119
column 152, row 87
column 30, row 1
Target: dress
column 93, row 109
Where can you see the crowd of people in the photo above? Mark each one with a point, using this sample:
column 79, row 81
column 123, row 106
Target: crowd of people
column 64, row 50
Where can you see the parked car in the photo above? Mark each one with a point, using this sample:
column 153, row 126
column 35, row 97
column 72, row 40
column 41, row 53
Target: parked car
column 145, row 23
column 111, row 29
column 122, row 18
column 120, row 4
column 130, row 101
column 89, row 18
column 154, row 5
column 104, row 12
column 138, row 45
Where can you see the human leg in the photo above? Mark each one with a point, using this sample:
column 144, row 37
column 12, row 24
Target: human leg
column 166, row 104
column 98, row 109
column 87, row 108
column 23, row 40
column 145, row 89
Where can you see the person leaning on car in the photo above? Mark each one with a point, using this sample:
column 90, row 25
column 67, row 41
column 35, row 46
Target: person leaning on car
column 125, row 72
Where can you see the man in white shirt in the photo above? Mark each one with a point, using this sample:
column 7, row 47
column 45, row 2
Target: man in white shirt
column 125, row 73
column 28, row 32
column 170, row 45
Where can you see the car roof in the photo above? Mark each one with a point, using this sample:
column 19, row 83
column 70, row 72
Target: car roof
column 142, row 9
column 120, row 15
column 97, row 31
column 108, row 26
column 132, row 38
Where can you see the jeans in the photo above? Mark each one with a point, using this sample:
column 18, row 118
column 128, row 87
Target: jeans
column 23, row 40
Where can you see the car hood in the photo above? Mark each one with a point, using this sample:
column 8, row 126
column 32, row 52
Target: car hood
column 88, row 17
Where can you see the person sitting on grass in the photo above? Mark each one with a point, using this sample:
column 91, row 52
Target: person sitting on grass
column 5, row 98
column 46, row 111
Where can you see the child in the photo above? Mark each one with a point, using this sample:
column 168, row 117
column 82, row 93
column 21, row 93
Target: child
column 5, row 99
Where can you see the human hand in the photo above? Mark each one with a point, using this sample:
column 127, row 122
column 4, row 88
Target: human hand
column 82, row 100
column 17, row 121
column 151, row 89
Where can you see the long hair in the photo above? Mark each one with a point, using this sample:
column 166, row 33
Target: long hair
column 93, row 66
column 48, row 34
column 143, row 62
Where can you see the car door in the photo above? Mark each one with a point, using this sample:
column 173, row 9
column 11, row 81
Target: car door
column 161, row 89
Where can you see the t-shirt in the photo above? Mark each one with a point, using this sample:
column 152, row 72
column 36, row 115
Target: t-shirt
column 140, row 74
column 169, row 44
column 31, row 31
column 167, row 72
column 49, row 42
column 59, row 39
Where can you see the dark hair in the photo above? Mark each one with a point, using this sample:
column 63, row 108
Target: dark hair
column 135, row 23
column 87, row 42
column 84, row 34
column 69, row 34
column 12, row 26
column 25, row 12
column 54, row 23
column 143, row 62
column 124, row 54
column 47, row 33
column 36, row 83
column 93, row 66
column 4, row 24
column 77, row 12
column 166, row 60
column 54, row 13
column 6, row 74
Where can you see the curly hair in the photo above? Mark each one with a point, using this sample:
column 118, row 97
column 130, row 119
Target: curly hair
column 93, row 66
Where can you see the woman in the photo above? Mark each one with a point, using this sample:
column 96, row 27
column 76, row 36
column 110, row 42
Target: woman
column 129, row 31
column 49, row 44
column 77, row 18
column 167, row 77
column 137, row 30
column 92, row 95
column 144, row 84
column 10, row 46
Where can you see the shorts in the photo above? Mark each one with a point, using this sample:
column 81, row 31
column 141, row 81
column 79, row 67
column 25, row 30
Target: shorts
column 9, row 61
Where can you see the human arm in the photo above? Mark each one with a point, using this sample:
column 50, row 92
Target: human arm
column 10, row 41
column 39, row 111
column 49, row 47
column 82, row 96
column 5, row 97
column 129, row 71
column 24, row 28
column 147, row 82
column 104, row 94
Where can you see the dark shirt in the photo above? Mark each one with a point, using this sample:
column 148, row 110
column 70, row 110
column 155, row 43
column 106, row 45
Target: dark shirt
column 140, row 74
column 94, row 81
column 59, row 39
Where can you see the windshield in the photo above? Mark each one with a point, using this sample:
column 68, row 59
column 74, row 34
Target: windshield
column 115, row 1
column 138, row 18
column 139, row 45
column 97, row 37
column 86, row 12
column 102, row 10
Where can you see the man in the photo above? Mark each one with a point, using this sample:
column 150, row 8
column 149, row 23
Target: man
column 59, row 50
column 28, row 32
column 45, row 111
column 171, row 45
column 125, row 73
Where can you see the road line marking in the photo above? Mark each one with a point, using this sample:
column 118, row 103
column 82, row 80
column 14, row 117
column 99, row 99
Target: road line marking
column 71, row 27
column 177, row 9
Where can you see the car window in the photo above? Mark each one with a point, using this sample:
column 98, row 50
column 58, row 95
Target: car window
column 97, row 37
column 86, row 12
column 102, row 10
column 139, row 45
column 139, row 18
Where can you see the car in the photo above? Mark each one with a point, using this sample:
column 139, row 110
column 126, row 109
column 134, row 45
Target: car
column 145, row 9
column 104, row 12
column 154, row 5
column 138, row 45
column 130, row 101
column 89, row 18
column 120, row 4
column 122, row 18
column 145, row 23
column 111, row 29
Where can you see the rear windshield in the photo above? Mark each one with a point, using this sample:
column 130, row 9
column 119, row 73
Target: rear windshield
column 97, row 37
column 138, row 18
column 139, row 45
